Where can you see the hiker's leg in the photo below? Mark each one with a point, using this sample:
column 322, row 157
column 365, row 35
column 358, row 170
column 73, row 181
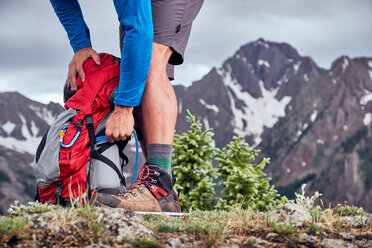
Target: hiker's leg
column 159, row 102
column 137, row 114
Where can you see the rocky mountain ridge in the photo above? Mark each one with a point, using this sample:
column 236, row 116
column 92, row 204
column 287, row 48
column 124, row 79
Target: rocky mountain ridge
column 313, row 123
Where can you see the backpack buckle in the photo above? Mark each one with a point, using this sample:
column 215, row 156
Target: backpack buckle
column 89, row 121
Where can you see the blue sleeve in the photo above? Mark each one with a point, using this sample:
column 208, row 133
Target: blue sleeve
column 71, row 17
column 136, row 20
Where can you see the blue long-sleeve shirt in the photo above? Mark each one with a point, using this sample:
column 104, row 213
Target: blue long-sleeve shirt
column 136, row 20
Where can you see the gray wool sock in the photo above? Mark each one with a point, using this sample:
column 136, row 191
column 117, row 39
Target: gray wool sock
column 160, row 155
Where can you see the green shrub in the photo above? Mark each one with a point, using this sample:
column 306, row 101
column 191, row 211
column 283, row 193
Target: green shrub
column 245, row 184
column 192, row 166
column 31, row 208
column 12, row 226
column 349, row 211
column 284, row 229
column 314, row 229
column 146, row 243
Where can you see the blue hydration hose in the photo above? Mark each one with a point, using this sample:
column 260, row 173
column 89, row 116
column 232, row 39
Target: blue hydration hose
column 136, row 164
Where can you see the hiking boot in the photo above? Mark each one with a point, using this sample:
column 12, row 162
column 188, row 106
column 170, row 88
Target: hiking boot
column 152, row 191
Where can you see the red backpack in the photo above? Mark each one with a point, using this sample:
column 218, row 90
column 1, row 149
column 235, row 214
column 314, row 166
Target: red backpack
column 65, row 165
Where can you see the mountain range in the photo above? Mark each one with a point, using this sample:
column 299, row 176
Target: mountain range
column 313, row 123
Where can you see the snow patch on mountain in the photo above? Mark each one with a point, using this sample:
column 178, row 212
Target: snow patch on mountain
column 370, row 63
column 44, row 114
column 261, row 42
column 29, row 145
column 305, row 126
column 370, row 74
column 257, row 112
column 209, row 106
column 366, row 98
column 284, row 79
column 314, row 115
column 320, row 141
column 8, row 127
column 345, row 64
column 297, row 66
column 306, row 77
column 34, row 129
column 299, row 132
column 238, row 56
column 206, row 123
column 261, row 62
column 367, row 119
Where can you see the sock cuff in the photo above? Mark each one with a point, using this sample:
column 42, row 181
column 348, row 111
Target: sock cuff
column 159, row 151
column 161, row 162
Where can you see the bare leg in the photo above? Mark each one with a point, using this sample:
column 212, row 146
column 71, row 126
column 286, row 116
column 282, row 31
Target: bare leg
column 157, row 115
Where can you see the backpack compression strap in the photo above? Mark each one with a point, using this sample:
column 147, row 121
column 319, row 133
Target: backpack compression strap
column 90, row 126
column 107, row 161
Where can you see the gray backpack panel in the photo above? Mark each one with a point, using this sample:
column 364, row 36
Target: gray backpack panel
column 102, row 177
column 46, row 163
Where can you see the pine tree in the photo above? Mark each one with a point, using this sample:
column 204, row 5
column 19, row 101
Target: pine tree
column 245, row 184
column 192, row 166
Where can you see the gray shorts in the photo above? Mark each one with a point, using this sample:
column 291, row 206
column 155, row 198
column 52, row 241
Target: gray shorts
column 172, row 25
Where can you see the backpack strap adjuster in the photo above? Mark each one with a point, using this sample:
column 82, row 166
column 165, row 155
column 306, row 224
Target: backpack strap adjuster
column 58, row 192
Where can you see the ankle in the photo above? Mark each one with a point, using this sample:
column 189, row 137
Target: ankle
column 160, row 155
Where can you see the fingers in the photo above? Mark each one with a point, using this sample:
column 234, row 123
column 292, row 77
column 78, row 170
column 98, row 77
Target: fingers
column 109, row 136
column 76, row 65
column 119, row 126
column 71, row 79
column 116, row 135
column 81, row 71
column 95, row 57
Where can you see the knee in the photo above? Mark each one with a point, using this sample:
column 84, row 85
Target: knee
column 159, row 59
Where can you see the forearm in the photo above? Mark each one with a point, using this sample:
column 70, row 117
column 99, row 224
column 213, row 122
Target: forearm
column 71, row 17
column 136, row 20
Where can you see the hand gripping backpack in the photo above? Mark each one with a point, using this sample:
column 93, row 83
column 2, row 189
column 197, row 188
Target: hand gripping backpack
column 74, row 158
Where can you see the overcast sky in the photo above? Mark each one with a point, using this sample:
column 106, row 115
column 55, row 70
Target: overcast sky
column 35, row 51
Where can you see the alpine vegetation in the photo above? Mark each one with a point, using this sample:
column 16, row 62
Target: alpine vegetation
column 192, row 166
column 244, row 183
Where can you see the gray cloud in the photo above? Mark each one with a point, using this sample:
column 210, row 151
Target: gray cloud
column 35, row 52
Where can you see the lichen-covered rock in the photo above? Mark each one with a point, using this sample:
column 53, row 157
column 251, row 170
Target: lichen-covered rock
column 336, row 243
column 364, row 243
column 271, row 236
column 356, row 221
column 175, row 243
column 120, row 225
column 291, row 214
column 347, row 236
column 126, row 224
column 304, row 237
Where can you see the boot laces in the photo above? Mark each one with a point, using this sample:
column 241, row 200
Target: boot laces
column 145, row 177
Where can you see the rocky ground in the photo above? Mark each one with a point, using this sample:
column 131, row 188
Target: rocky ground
column 290, row 225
